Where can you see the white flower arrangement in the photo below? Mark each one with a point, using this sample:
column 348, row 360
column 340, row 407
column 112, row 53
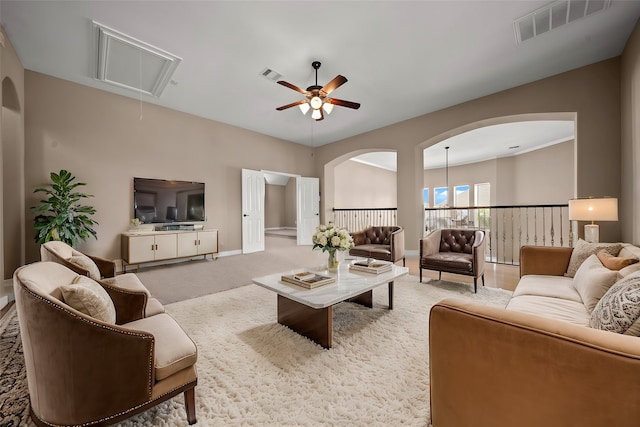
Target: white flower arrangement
column 330, row 238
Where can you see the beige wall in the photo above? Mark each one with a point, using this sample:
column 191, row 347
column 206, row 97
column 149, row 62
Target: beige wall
column 105, row 140
column 12, row 160
column 100, row 138
column 630, row 170
column 280, row 205
column 552, row 166
column 274, row 207
column 362, row 186
column 590, row 95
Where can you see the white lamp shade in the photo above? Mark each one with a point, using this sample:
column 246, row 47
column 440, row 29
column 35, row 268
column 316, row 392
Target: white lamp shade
column 316, row 114
column 304, row 107
column 602, row 209
column 315, row 102
column 328, row 108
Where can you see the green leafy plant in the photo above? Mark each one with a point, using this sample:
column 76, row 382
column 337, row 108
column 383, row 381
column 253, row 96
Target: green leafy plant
column 60, row 216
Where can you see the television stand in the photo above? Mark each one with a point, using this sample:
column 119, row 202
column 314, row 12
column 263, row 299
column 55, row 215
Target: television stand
column 156, row 246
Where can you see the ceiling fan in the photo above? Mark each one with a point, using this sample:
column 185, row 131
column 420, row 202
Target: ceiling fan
column 316, row 97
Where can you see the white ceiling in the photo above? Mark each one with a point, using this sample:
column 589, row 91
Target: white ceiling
column 402, row 59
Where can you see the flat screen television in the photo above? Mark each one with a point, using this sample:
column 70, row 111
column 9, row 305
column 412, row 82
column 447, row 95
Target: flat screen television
column 166, row 201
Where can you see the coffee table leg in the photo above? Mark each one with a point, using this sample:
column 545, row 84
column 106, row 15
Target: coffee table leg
column 390, row 295
column 313, row 323
column 365, row 299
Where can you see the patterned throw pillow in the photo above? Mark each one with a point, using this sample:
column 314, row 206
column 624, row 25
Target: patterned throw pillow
column 619, row 309
column 584, row 249
column 88, row 297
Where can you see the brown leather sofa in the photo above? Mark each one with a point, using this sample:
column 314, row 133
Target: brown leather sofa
column 458, row 251
column 385, row 243
column 85, row 370
column 505, row 367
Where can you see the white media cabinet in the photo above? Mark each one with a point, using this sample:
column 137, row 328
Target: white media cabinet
column 152, row 246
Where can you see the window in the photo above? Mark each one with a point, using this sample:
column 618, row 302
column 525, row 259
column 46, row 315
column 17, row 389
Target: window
column 425, row 197
column 482, row 195
column 441, row 197
column 461, row 195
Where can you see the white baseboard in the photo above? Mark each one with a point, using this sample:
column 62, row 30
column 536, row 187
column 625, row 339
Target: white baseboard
column 4, row 301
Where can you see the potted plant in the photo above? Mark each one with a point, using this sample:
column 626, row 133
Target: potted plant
column 61, row 216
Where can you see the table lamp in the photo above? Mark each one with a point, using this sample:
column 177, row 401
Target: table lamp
column 593, row 209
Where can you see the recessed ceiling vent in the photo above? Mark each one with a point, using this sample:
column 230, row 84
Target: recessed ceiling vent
column 555, row 15
column 129, row 63
column 270, row 74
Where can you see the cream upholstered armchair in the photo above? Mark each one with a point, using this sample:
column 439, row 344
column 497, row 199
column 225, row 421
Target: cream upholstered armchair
column 92, row 359
column 103, row 270
column 86, row 265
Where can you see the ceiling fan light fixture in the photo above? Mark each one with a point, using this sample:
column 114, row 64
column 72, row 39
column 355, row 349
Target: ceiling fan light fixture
column 316, row 114
column 327, row 107
column 315, row 102
column 304, row 107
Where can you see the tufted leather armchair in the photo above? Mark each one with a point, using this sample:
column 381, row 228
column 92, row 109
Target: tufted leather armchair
column 454, row 251
column 385, row 243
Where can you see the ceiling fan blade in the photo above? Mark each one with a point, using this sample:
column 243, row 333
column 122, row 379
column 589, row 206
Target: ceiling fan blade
column 343, row 103
column 292, row 86
column 334, row 84
column 293, row 104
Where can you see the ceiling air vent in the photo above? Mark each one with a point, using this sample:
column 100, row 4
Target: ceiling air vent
column 555, row 15
column 129, row 63
column 270, row 74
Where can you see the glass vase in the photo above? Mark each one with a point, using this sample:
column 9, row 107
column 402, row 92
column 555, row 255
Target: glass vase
column 332, row 262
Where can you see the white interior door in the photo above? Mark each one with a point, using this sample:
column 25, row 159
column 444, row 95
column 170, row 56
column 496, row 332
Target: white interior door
column 308, row 208
column 252, row 211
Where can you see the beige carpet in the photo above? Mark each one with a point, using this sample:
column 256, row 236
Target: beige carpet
column 191, row 279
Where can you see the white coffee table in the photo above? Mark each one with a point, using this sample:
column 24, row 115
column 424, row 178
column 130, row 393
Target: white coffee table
column 309, row 312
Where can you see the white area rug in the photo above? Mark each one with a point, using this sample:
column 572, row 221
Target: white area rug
column 254, row 372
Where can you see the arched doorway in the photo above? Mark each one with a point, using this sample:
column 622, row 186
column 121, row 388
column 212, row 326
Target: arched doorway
column 12, row 181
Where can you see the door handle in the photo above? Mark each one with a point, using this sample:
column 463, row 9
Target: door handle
column 245, row 215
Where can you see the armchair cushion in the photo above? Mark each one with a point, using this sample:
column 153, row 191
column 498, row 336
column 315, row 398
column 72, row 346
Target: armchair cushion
column 83, row 261
column 88, row 297
column 174, row 350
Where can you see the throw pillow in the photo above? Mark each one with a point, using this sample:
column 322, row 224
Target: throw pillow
column 584, row 249
column 88, row 297
column 614, row 262
column 619, row 309
column 593, row 280
column 87, row 263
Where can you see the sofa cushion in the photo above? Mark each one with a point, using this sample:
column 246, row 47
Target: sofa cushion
column 584, row 249
column 548, row 286
column 619, row 309
column 615, row 262
column 87, row 263
column 552, row 308
column 371, row 251
column 173, row 350
column 593, row 280
column 88, row 297
column 448, row 261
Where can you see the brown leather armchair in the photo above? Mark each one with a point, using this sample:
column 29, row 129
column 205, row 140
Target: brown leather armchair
column 454, row 251
column 385, row 243
column 82, row 370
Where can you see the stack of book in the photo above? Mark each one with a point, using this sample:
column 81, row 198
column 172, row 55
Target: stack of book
column 375, row 267
column 307, row 279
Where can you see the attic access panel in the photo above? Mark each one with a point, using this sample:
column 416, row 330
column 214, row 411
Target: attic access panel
column 129, row 63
